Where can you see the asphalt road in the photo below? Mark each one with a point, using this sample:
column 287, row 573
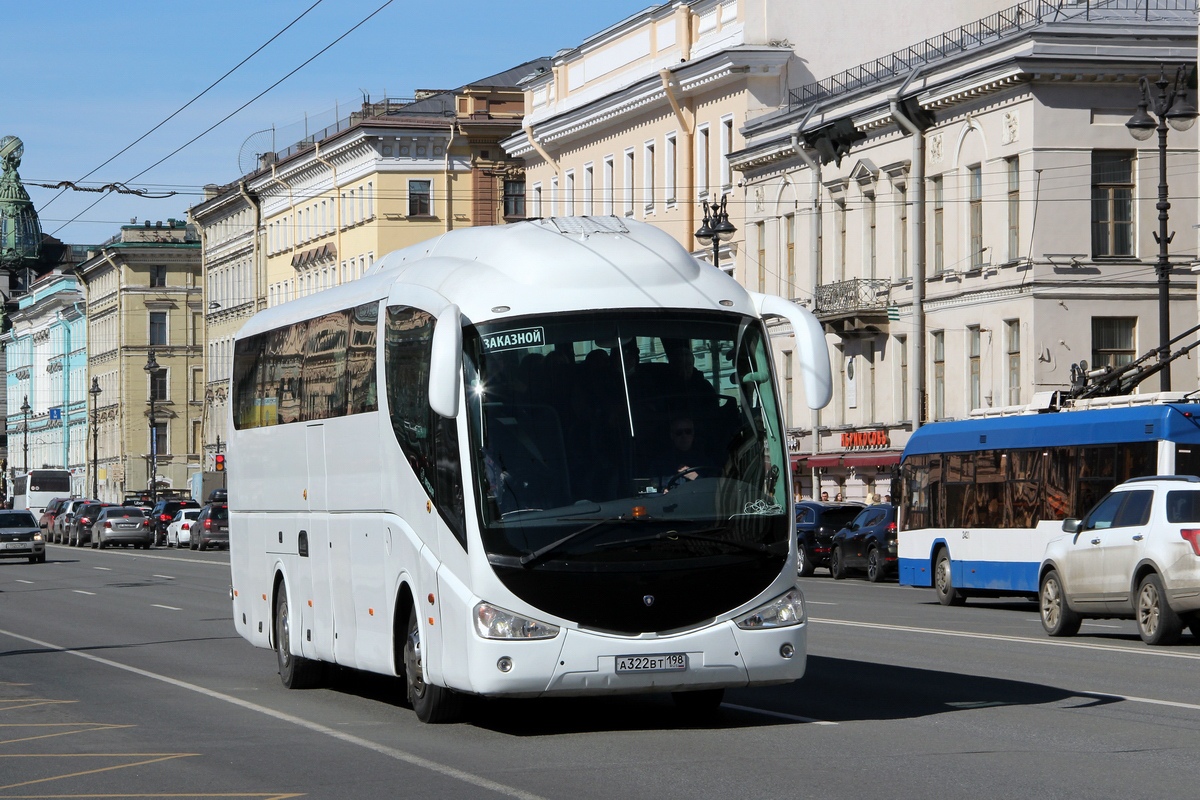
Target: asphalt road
column 121, row 675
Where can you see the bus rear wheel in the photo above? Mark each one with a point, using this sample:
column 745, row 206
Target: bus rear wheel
column 943, row 583
column 433, row 704
column 296, row 672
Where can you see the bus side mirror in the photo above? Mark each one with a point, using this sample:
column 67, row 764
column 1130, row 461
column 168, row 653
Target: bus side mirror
column 445, row 363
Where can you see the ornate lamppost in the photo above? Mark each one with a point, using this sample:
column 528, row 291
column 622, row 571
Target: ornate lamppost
column 152, row 370
column 95, row 393
column 25, row 409
column 716, row 227
column 1170, row 108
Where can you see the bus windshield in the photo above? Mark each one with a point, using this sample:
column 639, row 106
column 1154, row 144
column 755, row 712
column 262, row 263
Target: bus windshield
column 626, row 437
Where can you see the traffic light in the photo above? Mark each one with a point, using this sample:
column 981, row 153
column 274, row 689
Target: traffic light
column 219, row 462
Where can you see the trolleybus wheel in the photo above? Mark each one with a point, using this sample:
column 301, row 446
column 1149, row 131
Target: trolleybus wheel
column 946, row 593
column 434, row 704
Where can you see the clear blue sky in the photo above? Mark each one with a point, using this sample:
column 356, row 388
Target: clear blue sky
column 88, row 78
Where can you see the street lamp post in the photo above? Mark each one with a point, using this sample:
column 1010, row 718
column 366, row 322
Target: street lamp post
column 25, row 409
column 152, row 369
column 716, row 228
column 95, row 393
column 1169, row 108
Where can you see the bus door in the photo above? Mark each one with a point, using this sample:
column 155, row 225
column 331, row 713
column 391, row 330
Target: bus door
column 322, row 614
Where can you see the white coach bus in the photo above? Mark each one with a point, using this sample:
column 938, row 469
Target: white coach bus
column 535, row 459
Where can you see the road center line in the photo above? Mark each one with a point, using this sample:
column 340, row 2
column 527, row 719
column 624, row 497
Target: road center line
column 316, row 727
column 168, row 608
column 106, row 569
column 164, row 577
column 81, row 591
column 778, row 714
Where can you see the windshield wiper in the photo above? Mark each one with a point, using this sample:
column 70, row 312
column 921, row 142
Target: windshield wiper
column 546, row 550
column 696, row 536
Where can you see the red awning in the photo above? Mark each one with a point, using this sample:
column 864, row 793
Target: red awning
column 879, row 458
column 812, row 462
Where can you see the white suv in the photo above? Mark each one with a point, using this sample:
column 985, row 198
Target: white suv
column 1136, row 554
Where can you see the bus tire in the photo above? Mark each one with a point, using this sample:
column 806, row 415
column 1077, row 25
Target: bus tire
column 943, row 583
column 876, row 566
column 1157, row 623
column 837, row 568
column 296, row 672
column 1057, row 617
column 432, row 704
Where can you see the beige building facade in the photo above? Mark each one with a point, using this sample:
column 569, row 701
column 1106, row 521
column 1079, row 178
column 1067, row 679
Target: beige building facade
column 144, row 298
column 972, row 222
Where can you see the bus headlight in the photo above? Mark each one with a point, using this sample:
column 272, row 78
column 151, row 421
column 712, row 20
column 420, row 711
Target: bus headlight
column 496, row 623
column 785, row 610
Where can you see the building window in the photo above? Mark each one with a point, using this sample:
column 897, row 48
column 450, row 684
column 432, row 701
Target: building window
column 608, row 185
column 902, row 347
column 569, row 193
column 702, row 161
column 869, row 200
column 197, row 442
column 648, row 175
column 975, row 180
column 939, row 226
column 537, row 201
column 902, row 228
column 420, row 198
column 158, row 276
column 514, row 199
column 1112, row 203
column 789, row 224
column 158, row 328
column 1012, row 348
column 760, row 232
column 841, row 240
column 158, row 438
column 669, row 169
column 554, row 196
column 1014, row 208
column 939, row 374
column 726, row 150
column 788, row 391
column 1113, row 341
column 627, row 192
column 588, row 188
column 973, row 365
column 159, row 383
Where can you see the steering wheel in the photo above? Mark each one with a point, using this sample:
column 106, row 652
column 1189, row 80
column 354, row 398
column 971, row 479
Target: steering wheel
column 702, row 471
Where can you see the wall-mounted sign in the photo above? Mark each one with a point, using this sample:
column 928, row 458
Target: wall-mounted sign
column 861, row 440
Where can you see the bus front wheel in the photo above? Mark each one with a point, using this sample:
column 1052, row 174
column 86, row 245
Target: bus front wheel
column 295, row 671
column 433, row 704
column 943, row 584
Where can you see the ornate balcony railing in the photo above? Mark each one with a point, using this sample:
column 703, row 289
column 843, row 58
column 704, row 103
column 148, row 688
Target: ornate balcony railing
column 851, row 297
column 992, row 28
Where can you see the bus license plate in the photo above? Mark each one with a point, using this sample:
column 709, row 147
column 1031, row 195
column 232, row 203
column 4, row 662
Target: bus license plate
column 668, row 662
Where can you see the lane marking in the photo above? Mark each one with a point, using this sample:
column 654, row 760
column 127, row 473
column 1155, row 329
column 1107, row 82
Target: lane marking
column 1150, row 700
column 818, row 603
column 81, row 591
column 778, row 714
column 164, row 577
column 168, row 608
column 22, row 580
column 106, row 569
column 998, row 637
column 316, row 727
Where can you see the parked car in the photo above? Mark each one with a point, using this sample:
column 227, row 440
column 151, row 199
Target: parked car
column 21, row 537
column 1135, row 555
column 46, row 521
column 122, row 525
column 80, row 532
column 816, row 523
column 62, row 520
column 163, row 512
column 179, row 532
column 867, row 543
column 211, row 528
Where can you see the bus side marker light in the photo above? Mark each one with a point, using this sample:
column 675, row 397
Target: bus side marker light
column 310, row 603
column 428, row 507
column 430, row 598
column 370, row 612
column 431, row 620
column 1193, row 537
column 639, row 512
column 264, row 597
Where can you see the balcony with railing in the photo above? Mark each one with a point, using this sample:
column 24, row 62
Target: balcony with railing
column 993, row 28
column 856, row 303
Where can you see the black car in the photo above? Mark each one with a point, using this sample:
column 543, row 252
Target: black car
column 80, row 532
column 867, row 543
column 816, row 523
column 211, row 528
column 163, row 512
